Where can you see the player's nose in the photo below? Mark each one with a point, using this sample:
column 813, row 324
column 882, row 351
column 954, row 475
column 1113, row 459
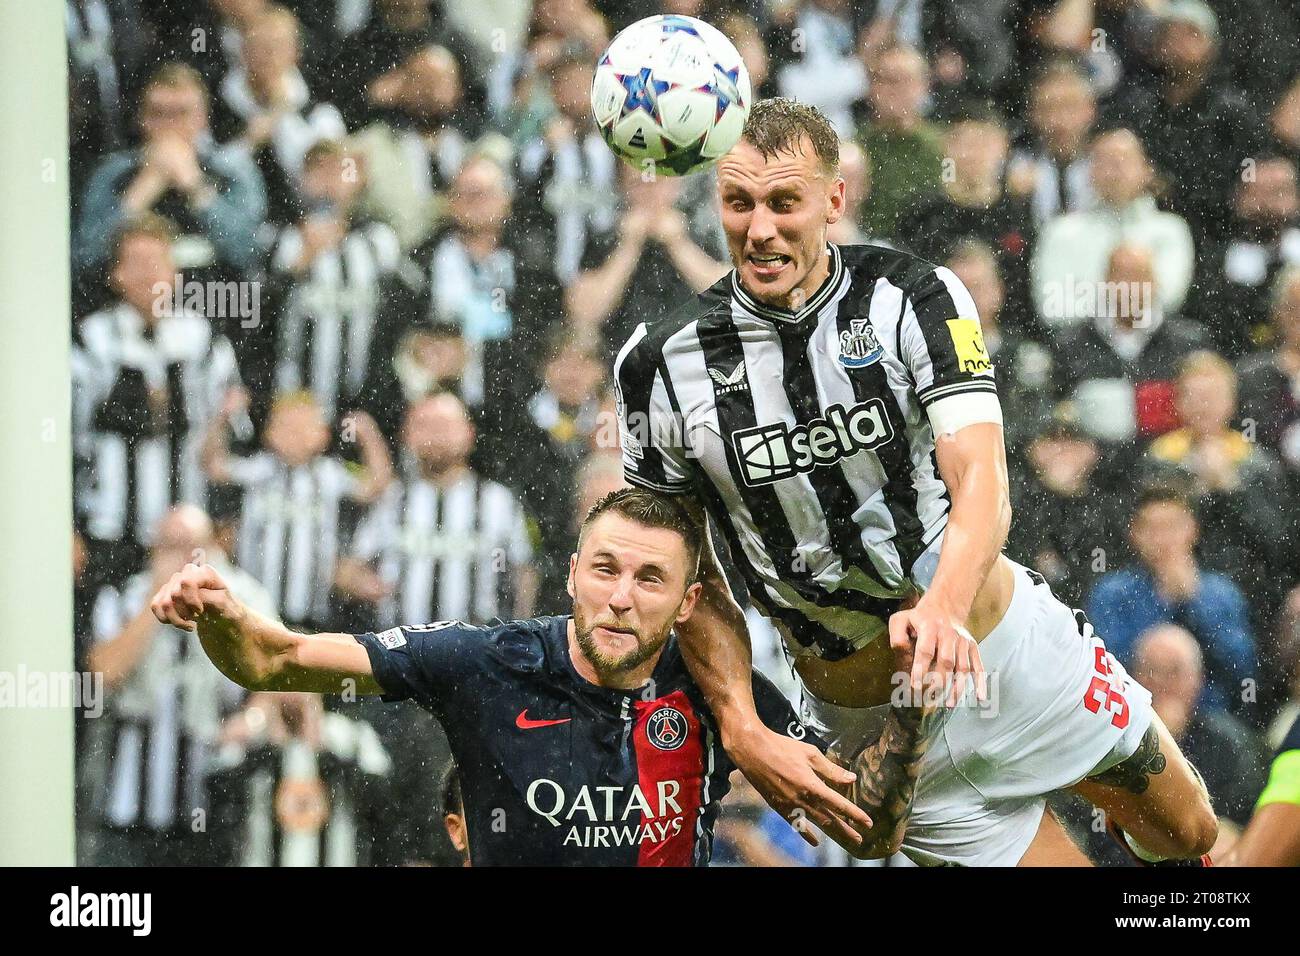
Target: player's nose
column 762, row 227
column 620, row 599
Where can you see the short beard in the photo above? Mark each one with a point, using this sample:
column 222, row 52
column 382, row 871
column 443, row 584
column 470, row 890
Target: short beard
column 606, row 666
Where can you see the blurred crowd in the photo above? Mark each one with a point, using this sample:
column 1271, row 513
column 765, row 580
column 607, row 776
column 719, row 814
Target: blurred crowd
column 349, row 276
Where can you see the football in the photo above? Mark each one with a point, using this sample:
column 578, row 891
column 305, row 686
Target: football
column 670, row 95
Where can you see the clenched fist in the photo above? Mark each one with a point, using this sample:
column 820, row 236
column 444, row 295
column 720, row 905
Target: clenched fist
column 193, row 591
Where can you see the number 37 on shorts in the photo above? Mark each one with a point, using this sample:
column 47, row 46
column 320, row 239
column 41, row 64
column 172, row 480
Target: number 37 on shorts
column 1102, row 691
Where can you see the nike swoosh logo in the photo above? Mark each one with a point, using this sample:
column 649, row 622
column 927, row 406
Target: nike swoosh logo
column 524, row 723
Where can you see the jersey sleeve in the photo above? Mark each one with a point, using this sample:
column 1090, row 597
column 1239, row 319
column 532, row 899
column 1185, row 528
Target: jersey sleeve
column 653, row 439
column 941, row 343
column 776, row 713
column 432, row 664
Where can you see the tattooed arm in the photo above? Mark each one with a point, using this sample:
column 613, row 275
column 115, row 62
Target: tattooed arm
column 887, row 772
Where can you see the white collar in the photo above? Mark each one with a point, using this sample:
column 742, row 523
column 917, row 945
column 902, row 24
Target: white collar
column 811, row 307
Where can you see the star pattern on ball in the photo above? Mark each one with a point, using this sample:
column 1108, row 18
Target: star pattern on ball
column 675, row 23
column 680, row 160
column 642, row 93
column 726, row 88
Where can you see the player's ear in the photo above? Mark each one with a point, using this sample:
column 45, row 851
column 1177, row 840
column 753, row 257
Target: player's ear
column 689, row 600
column 835, row 200
column 573, row 565
column 455, row 825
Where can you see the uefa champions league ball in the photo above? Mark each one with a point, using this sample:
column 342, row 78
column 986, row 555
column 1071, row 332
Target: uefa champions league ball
column 670, row 95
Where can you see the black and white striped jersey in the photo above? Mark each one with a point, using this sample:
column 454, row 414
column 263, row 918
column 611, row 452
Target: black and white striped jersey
column 142, row 395
column 572, row 187
column 291, row 529
column 331, row 314
column 447, row 553
column 809, row 435
column 298, row 802
column 147, row 758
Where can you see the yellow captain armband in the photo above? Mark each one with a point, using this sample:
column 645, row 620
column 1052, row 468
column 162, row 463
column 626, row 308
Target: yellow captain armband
column 1283, row 780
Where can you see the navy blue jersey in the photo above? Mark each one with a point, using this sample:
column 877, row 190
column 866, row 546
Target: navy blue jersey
column 556, row 771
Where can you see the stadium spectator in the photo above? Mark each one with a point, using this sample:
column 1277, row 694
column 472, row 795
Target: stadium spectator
column 107, row 46
column 1263, row 239
column 906, row 150
column 1270, row 379
column 1044, row 31
column 1229, row 755
column 1167, row 585
column 1257, row 46
column 567, row 175
column 1118, row 364
column 975, row 203
column 600, row 474
column 293, row 785
column 396, row 30
column 668, row 245
column 206, row 34
column 148, row 375
column 415, row 142
column 968, row 45
column 148, row 771
column 1062, row 111
column 334, row 272
column 475, row 277
column 518, row 93
column 266, row 106
column 1074, row 248
column 745, row 33
column 1197, row 126
column 548, row 439
column 817, row 59
column 1069, row 520
column 855, row 167
column 215, row 196
column 431, row 356
column 444, row 543
column 293, row 513
column 1025, row 367
column 1236, row 485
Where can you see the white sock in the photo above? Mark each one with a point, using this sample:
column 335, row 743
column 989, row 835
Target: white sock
column 1140, row 853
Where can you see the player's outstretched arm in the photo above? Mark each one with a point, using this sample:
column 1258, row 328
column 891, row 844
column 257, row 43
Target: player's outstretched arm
column 795, row 778
column 255, row 651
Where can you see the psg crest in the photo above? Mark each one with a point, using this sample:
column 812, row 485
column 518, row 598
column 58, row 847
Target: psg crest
column 858, row 345
column 666, row 728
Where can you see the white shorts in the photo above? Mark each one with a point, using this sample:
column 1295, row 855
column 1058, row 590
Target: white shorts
column 1060, row 708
